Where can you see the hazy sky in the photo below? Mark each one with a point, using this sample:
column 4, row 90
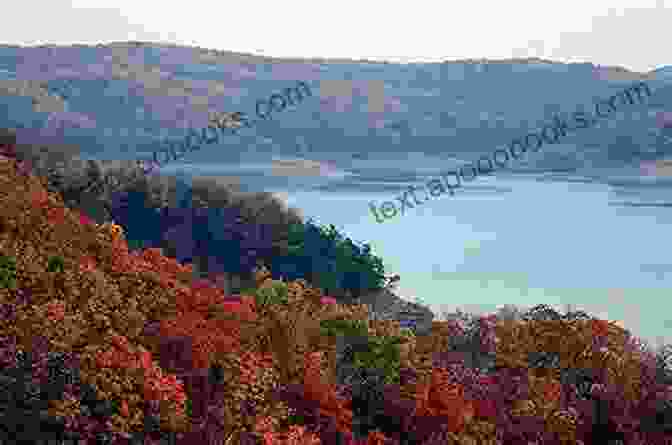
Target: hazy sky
column 632, row 34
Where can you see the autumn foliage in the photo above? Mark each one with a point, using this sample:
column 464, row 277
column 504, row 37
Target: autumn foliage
column 145, row 328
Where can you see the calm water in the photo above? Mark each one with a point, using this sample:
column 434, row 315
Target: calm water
column 510, row 239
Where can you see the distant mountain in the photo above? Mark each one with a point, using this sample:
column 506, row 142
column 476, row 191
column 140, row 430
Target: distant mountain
column 664, row 72
column 116, row 101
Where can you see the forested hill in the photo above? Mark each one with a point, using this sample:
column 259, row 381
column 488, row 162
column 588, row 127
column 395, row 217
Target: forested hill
column 116, row 101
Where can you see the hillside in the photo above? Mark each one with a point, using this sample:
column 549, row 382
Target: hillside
column 104, row 345
column 123, row 98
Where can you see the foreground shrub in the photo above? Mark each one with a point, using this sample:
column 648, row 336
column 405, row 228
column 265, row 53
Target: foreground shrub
column 272, row 292
column 342, row 327
column 382, row 354
column 7, row 272
column 155, row 386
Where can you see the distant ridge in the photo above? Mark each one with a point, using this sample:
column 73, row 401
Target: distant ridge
column 250, row 57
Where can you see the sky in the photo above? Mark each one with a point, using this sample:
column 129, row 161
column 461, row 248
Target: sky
column 624, row 33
